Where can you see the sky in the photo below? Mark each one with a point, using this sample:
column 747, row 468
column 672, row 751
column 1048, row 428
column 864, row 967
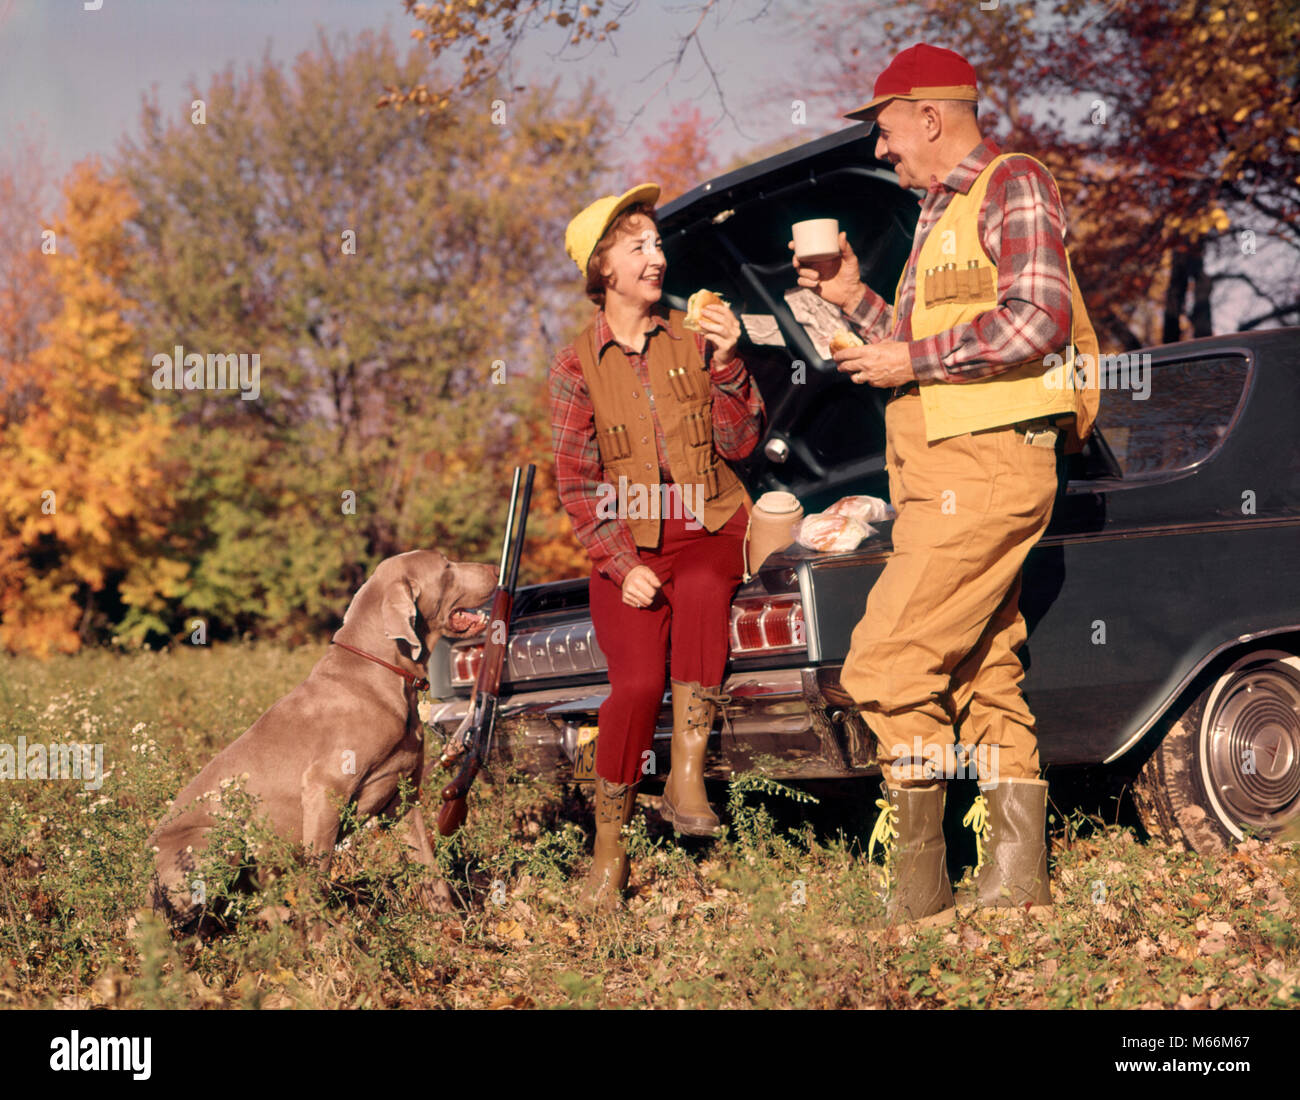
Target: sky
column 75, row 77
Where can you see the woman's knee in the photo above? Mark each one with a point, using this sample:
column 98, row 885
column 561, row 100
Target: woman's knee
column 710, row 578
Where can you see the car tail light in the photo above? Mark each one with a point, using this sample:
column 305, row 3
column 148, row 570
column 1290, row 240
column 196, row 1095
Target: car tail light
column 535, row 653
column 760, row 624
column 465, row 661
column 767, row 624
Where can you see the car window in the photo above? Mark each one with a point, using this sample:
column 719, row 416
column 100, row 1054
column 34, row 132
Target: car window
column 1159, row 418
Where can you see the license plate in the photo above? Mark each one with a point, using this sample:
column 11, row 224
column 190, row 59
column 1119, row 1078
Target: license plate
column 584, row 756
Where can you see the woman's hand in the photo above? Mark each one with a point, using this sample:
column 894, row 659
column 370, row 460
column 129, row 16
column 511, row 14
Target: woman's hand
column 838, row 280
column 722, row 329
column 640, row 586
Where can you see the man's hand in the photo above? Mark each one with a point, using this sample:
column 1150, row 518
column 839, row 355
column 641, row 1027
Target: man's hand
column 722, row 330
column 838, row 281
column 885, row 363
column 640, row 586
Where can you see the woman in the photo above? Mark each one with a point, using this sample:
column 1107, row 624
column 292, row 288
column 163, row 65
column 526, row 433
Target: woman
column 643, row 411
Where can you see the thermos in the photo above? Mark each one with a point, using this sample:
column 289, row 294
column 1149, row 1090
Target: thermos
column 773, row 523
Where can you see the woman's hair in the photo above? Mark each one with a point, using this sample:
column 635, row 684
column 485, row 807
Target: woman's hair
column 595, row 280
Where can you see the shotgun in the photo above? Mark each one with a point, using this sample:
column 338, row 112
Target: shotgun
column 477, row 738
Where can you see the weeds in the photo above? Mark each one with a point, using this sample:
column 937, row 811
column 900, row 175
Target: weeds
column 769, row 915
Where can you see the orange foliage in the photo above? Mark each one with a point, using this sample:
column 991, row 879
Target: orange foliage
column 678, row 157
column 82, row 500
column 551, row 552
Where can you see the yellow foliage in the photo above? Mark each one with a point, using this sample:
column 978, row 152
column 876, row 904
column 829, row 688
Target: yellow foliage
column 81, row 497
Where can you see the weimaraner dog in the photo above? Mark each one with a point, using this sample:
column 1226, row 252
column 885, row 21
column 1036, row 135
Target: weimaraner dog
column 347, row 734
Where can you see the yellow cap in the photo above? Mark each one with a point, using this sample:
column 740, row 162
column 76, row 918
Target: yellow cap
column 585, row 231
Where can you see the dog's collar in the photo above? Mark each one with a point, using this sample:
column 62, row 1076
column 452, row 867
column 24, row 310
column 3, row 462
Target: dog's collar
column 420, row 683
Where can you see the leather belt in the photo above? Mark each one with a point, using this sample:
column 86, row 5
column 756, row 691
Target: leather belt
column 1037, row 424
column 906, row 388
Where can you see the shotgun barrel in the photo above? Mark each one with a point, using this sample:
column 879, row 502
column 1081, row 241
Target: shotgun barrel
column 487, row 686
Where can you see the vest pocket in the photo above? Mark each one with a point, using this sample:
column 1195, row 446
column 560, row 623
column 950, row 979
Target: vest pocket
column 614, row 443
column 712, row 482
column 941, row 284
column 948, row 283
column 680, row 386
column 931, row 286
column 697, row 429
column 708, row 471
column 975, row 283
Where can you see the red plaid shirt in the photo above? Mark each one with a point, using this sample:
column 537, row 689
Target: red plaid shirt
column 737, row 424
column 1022, row 228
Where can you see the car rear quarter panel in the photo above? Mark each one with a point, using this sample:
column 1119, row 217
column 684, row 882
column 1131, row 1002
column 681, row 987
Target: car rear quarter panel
column 1126, row 605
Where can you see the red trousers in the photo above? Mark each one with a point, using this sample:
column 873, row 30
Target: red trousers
column 691, row 613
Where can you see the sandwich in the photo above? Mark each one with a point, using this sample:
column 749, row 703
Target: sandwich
column 845, row 339
column 695, row 305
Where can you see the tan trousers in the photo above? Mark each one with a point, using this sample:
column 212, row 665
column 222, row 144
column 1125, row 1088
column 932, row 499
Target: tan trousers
column 935, row 651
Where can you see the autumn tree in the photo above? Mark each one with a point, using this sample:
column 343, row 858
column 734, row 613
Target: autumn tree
column 403, row 282
column 678, row 156
column 1169, row 124
column 482, row 35
column 27, row 294
column 84, row 493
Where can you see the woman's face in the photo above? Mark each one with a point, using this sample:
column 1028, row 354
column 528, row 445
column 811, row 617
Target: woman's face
column 633, row 266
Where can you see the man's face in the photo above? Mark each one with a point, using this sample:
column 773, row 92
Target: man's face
column 901, row 141
column 634, row 265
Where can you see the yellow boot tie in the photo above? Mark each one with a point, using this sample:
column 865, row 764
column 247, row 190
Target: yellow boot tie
column 977, row 819
column 884, row 833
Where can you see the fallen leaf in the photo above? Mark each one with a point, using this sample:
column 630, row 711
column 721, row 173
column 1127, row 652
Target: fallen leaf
column 510, row 930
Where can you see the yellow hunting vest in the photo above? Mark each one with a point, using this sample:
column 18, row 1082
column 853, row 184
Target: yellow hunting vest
column 956, row 281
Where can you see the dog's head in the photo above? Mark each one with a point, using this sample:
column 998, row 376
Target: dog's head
column 425, row 597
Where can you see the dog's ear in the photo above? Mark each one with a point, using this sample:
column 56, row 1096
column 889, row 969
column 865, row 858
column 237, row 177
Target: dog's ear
column 398, row 614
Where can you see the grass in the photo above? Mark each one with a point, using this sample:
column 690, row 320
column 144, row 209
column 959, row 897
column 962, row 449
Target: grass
column 772, row 915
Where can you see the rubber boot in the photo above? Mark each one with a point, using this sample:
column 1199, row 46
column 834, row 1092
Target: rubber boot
column 1014, row 872
column 911, row 827
column 608, row 876
column 685, row 805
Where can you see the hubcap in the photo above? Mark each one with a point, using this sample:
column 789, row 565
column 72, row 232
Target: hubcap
column 1250, row 738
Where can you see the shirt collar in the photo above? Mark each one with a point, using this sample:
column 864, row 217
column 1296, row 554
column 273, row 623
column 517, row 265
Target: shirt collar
column 963, row 177
column 605, row 334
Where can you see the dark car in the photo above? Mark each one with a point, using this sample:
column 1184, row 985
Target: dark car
column 1163, row 603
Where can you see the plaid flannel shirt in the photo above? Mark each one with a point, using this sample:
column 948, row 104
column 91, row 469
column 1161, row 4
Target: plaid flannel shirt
column 1022, row 228
column 737, row 425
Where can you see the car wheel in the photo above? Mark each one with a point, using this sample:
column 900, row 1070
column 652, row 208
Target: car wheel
column 1231, row 760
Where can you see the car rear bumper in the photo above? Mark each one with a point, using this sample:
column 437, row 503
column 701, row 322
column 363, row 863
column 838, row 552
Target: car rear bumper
column 787, row 723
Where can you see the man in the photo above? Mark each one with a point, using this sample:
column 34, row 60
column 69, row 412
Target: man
column 972, row 426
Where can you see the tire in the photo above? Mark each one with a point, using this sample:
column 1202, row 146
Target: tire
column 1231, row 760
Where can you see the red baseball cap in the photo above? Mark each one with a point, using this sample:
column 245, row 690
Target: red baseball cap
column 921, row 72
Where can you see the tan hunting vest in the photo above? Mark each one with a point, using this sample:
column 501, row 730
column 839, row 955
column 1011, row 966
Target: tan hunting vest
column 625, row 433
column 956, row 281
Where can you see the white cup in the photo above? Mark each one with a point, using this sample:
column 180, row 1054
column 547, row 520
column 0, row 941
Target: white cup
column 817, row 239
